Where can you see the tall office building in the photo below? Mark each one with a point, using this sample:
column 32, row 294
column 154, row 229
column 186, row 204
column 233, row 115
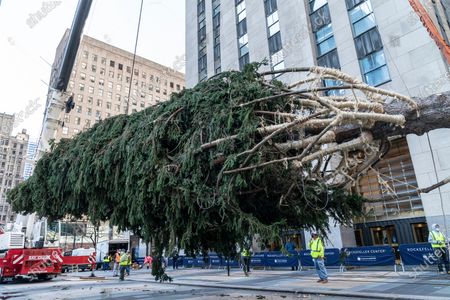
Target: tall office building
column 399, row 45
column 103, row 84
column 12, row 161
column 30, row 159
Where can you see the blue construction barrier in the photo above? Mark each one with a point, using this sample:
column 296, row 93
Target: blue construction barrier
column 215, row 260
column 258, row 259
column 417, row 254
column 276, row 259
column 332, row 258
column 369, row 256
column 188, row 262
column 179, row 261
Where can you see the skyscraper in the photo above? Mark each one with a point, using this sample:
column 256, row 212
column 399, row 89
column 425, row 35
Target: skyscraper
column 12, row 162
column 399, row 45
column 103, row 86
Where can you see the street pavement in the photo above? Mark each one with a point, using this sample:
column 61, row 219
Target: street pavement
column 215, row 284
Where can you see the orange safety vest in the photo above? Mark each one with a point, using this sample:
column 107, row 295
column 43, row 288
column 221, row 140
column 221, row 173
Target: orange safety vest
column 117, row 258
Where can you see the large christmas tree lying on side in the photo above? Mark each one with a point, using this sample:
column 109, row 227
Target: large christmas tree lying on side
column 233, row 157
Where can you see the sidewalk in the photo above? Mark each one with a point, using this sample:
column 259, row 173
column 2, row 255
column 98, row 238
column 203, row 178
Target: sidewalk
column 359, row 284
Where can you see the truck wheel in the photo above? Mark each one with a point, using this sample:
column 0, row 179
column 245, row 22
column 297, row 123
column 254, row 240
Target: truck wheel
column 44, row 277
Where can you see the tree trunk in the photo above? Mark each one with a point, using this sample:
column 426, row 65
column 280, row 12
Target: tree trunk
column 434, row 112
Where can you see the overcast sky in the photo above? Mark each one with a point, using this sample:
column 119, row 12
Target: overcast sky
column 27, row 50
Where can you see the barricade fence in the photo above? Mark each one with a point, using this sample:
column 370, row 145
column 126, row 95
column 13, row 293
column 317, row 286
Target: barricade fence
column 410, row 255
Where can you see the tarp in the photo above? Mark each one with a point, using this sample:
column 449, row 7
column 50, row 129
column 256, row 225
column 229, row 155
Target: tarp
column 369, row 256
column 332, row 257
column 278, row 259
column 417, row 254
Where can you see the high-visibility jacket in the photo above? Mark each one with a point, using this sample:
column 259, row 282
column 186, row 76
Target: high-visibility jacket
column 317, row 248
column 106, row 259
column 437, row 239
column 124, row 260
column 245, row 253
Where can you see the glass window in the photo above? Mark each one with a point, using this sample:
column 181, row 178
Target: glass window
column 275, row 43
column 65, row 130
column 244, row 60
column 270, row 6
column 326, row 46
column 320, row 18
column 378, row 76
column 242, row 28
column 112, row 63
column 274, row 28
column 240, row 7
column 272, row 19
column 329, row 60
column 373, row 61
column 243, row 50
column 360, row 11
column 364, row 25
column 324, row 33
column 420, row 231
column 316, row 4
column 243, row 40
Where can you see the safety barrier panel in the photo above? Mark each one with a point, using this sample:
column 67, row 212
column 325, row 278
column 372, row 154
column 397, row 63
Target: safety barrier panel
column 418, row 255
column 332, row 258
column 276, row 259
column 369, row 256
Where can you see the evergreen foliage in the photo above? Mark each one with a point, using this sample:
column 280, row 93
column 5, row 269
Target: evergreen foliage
column 146, row 172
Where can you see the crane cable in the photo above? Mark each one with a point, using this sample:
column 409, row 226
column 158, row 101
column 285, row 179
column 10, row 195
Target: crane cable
column 134, row 58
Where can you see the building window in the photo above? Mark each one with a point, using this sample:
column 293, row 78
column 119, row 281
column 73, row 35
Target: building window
column 216, row 36
column 103, row 61
column 136, row 72
column 90, row 100
column 102, row 71
column 108, row 105
column 111, row 74
column 82, row 76
column 89, row 111
column 79, row 109
column 391, row 186
column 91, row 89
column 241, row 28
column 128, row 69
column 85, row 54
column 369, row 47
column 117, row 97
column 80, row 98
column 201, row 36
column 100, row 92
column 77, row 120
column 83, row 65
column 178, row 87
column 359, row 237
column 81, row 86
column 144, row 75
column 420, row 232
column 119, row 76
column 327, row 55
column 120, row 67
column 76, row 131
column 99, row 102
column 101, row 82
column 93, row 68
column 92, row 79
column 112, row 63
column 118, row 87
column 65, row 130
column 109, row 95
column 94, row 57
column 385, row 235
